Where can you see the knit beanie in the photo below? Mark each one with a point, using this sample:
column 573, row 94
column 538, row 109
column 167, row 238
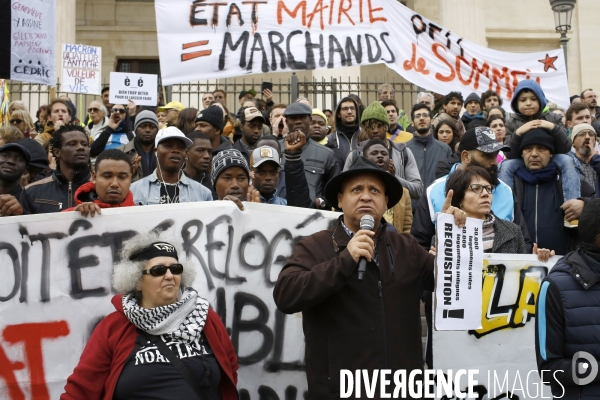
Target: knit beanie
column 473, row 97
column 375, row 111
column 227, row 159
column 145, row 116
column 213, row 115
column 539, row 136
column 577, row 129
column 319, row 113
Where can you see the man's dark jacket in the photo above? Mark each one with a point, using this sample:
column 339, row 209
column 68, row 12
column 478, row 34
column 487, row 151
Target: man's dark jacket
column 567, row 321
column 543, row 215
column 55, row 193
column 351, row 324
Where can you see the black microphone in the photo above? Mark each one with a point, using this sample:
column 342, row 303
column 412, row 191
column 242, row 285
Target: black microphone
column 367, row 223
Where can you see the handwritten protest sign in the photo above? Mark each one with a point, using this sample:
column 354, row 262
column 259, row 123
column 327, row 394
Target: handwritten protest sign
column 503, row 348
column 32, row 46
column 224, row 39
column 81, row 69
column 458, row 277
column 141, row 88
column 56, row 285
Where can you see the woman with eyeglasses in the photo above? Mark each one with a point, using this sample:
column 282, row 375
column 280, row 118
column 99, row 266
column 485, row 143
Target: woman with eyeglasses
column 471, row 195
column 117, row 133
column 21, row 120
column 163, row 341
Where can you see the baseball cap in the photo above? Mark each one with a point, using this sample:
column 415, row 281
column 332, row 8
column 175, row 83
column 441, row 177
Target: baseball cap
column 247, row 91
column 174, row 105
column 481, row 138
column 39, row 157
column 172, row 132
column 251, row 113
column 262, row 154
column 16, row 146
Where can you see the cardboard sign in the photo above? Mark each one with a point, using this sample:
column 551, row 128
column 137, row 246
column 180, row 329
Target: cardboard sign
column 199, row 40
column 458, row 276
column 32, row 42
column 81, row 69
column 141, row 88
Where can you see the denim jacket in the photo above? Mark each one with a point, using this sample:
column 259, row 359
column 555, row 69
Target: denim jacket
column 146, row 191
column 274, row 200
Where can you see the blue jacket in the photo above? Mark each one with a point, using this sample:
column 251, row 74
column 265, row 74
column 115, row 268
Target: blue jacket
column 274, row 200
column 146, row 191
column 567, row 310
column 502, row 202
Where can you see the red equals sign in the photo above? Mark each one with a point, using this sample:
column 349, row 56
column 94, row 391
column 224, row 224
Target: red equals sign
column 196, row 54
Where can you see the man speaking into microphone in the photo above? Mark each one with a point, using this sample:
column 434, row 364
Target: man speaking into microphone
column 351, row 324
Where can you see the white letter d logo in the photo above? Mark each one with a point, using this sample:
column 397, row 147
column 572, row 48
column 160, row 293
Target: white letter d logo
column 583, row 366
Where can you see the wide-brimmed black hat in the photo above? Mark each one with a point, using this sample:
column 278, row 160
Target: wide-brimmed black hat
column 393, row 187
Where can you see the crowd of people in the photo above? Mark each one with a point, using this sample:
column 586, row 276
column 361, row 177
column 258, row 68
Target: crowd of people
column 528, row 174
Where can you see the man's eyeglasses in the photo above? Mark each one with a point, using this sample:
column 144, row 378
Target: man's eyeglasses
column 478, row 189
column 348, row 109
column 15, row 121
column 161, row 270
column 119, row 110
column 424, row 115
column 93, row 109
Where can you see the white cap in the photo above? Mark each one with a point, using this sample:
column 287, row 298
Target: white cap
column 172, row 132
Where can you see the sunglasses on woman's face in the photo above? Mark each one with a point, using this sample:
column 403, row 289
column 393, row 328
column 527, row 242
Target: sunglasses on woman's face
column 161, row 270
column 15, row 121
column 119, row 110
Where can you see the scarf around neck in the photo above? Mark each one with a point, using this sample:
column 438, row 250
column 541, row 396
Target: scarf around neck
column 424, row 140
column 488, row 234
column 543, row 175
column 183, row 320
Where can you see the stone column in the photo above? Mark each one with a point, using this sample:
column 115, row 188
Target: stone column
column 65, row 28
column 465, row 18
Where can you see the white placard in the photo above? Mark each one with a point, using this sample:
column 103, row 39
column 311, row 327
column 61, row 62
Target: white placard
column 503, row 348
column 81, row 69
column 458, row 276
column 141, row 88
column 32, row 41
column 199, row 40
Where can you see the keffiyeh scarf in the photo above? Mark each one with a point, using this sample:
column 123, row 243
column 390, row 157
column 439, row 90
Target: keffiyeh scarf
column 183, row 320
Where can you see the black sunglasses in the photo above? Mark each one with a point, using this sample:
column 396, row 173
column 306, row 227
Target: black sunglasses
column 160, row 270
column 119, row 110
column 94, row 109
column 15, row 121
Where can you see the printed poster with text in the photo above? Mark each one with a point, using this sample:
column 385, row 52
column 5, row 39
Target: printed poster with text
column 458, row 274
column 141, row 88
column 81, row 69
column 211, row 40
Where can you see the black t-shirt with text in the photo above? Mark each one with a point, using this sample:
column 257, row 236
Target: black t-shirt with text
column 149, row 375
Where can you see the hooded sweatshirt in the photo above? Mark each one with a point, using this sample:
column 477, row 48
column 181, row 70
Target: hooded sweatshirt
column 562, row 143
column 344, row 138
column 87, row 193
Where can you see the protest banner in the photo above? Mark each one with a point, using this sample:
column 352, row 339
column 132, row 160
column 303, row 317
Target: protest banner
column 81, row 69
column 503, row 348
column 56, row 286
column 27, row 45
column 202, row 40
column 458, row 277
column 141, row 88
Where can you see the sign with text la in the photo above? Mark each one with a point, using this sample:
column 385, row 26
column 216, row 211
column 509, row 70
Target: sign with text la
column 458, row 274
column 81, row 69
column 141, row 88
column 208, row 40
column 27, row 43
